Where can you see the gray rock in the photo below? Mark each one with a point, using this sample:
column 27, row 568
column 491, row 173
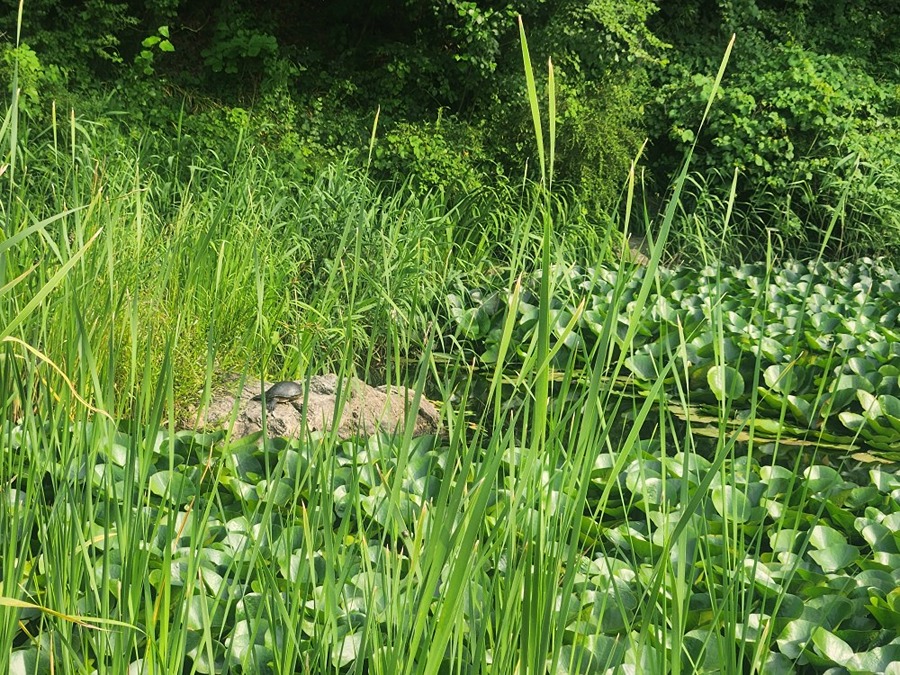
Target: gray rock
column 365, row 411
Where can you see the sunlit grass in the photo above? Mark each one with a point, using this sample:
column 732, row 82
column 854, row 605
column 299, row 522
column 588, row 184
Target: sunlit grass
column 536, row 534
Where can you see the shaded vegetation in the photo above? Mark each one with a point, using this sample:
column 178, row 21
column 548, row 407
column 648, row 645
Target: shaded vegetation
column 806, row 117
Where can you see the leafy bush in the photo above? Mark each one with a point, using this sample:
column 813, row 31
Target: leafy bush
column 599, row 135
column 81, row 38
column 807, row 117
column 444, row 155
column 29, row 71
column 238, row 49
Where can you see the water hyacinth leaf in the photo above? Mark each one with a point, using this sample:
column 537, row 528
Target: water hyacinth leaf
column 887, row 616
column 847, row 343
column 801, row 409
column 703, row 648
column 591, row 654
column 205, row 661
column 346, row 649
column 787, row 539
column 862, row 366
column 529, row 316
column 472, row 322
column 870, row 405
column 771, row 349
column 795, row 636
column 781, row 378
column 877, row 422
column 852, row 383
column 731, row 503
column 831, row 647
column 833, row 609
column 760, row 574
column 634, row 539
column 853, row 421
column 754, row 629
column 778, row 664
column 29, row 661
column 820, row 342
column 725, row 382
column 246, row 646
column 643, row 366
column 822, row 478
column 823, row 536
column 890, row 408
column 172, row 486
column 246, row 463
column 205, row 611
column 835, row 557
column 777, row 478
column 689, row 465
column 278, row 492
column 860, row 497
column 884, row 481
column 769, row 427
column 884, row 659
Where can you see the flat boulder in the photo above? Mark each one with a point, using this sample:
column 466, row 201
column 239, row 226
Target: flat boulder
column 365, row 410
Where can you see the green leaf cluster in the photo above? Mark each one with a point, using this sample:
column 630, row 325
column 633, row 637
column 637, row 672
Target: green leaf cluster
column 807, row 117
column 815, row 345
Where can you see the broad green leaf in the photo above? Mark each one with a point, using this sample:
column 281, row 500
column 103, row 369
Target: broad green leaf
column 887, row 616
column 821, row 478
column 346, row 650
column 853, row 421
column 725, row 382
column 643, row 366
column 731, row 503
column 175, row 487
column 795, row 636
column 832, row 647
column 853, row 383
column 823, row 536
column 801, row 410
column 890, row 407
column 786, row 539
column 781, row 378
column 835, row 557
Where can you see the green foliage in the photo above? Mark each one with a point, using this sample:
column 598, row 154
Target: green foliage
column 808, row 115
column 81, row 38
column 32, row 76
column 824, row 335
column 445, row 156
column 598, row 36
column 811, row 132
column 600, row 134
column 475, row 31
column 641, row 531
column 238, row 47
column 601, row 53
column 312, row 77
column 153, row 44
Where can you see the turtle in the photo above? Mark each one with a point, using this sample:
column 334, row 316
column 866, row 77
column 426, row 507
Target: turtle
column 285, row 391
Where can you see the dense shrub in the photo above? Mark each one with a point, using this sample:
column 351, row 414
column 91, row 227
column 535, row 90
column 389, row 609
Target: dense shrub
column 809, row 122
column 807, row 116
column 444, row 155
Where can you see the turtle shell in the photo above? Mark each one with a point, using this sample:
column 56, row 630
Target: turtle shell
column 284, row 391
column 280, row 392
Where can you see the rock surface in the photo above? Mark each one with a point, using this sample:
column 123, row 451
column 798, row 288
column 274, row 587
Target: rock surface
column 366, row 410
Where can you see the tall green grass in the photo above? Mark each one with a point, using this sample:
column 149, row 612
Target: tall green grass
column 129, row 284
